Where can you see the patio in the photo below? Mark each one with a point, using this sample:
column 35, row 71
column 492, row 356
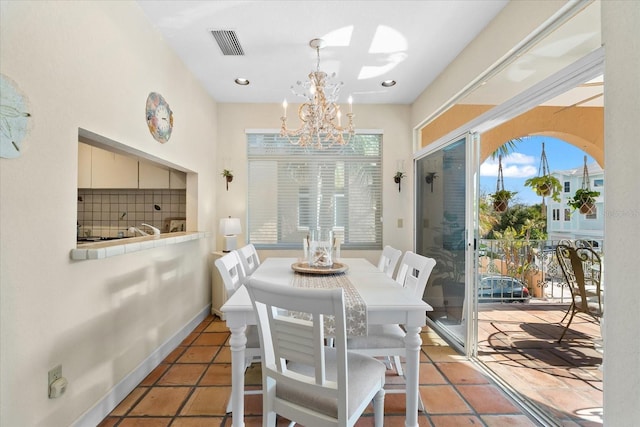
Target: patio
column 518, row 342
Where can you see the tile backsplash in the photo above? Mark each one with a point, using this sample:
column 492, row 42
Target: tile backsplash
column 106, row 213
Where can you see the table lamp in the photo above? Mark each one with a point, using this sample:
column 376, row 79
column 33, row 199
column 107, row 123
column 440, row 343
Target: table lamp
column 229, row 227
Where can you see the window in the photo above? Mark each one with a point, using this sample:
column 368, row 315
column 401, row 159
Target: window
column 556, row 214
column 567, row 187
column 598, row 182
column 567, row 214
column 294, row 189
column 593, row 214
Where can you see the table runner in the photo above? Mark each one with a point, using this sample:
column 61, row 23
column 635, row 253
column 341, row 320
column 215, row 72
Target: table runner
column 355, row 308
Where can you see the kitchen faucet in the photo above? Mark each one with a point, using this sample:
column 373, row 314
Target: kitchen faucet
column 156, row 231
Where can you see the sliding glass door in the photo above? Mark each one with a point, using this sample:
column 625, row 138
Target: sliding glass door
column 445, row 192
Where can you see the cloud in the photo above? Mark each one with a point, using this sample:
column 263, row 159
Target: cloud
column 515, row 165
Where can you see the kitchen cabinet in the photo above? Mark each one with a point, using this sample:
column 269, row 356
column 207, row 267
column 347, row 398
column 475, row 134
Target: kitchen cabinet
column 218, row 292
column 112, row 170
column 152, row 176
column 177, row 180
column 84, row 166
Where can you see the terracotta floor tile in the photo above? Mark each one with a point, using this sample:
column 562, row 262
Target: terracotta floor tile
column 399, row 420
column 224, row 355
column 211, row 338
column 202, row 354
column 190, row 339
column 173, row 356
column 204, row 324
column 217, row 374
column 161, row 401
column 183, row 374
column 487, row 399
column 155, row 374
column 145, row 422
column 443, row 399
column 462, row 373
column 197, row 421
column 442, row 354
column 109, row 422
column 217, row 326
column 430, row 375
column 207, row 401
column 455, row 420
column 129, row 401
column 507, row 421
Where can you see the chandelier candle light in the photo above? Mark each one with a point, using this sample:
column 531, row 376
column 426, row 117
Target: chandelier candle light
column 320, row 114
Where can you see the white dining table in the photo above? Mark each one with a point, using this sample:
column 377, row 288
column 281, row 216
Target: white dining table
column 386, row 302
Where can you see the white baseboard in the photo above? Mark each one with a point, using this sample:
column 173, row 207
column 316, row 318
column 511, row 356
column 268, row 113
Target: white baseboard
column 100, row 410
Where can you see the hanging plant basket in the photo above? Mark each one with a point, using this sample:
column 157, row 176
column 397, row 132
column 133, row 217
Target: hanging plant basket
column 228, row 176
column 501, row 197
column 587, row 208
column 544, row 184
column 500, row 205
column 585, row 198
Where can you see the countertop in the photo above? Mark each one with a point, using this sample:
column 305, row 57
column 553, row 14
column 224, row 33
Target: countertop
column 108, row 248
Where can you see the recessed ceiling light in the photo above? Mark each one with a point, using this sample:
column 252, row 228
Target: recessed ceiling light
column 242, row 82
column 388, row 83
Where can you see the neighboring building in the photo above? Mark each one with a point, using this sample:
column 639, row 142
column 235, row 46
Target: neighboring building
column 563, row 222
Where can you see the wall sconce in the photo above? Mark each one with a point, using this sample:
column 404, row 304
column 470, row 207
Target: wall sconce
column 228, row 176
column 229, row 227
column 429, row 179
column 397, row 178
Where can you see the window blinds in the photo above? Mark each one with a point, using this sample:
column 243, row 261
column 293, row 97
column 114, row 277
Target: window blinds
column 293, row 189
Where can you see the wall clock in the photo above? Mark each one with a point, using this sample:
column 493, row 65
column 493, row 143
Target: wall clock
column 13, row 119
column 159, row 117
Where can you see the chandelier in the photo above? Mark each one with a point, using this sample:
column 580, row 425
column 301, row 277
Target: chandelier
column 320, row 114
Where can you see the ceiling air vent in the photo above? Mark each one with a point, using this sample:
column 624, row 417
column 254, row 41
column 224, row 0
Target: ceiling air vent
column 228, row 42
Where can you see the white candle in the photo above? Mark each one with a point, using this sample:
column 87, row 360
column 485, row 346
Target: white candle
column 350, row 104
column 284, row 105
column 339, row 114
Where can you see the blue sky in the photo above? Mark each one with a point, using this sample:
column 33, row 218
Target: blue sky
column 524, row 163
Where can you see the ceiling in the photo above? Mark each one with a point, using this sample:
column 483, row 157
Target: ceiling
column 368, row 42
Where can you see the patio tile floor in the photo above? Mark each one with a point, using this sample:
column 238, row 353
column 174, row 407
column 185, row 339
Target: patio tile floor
column 518, row 342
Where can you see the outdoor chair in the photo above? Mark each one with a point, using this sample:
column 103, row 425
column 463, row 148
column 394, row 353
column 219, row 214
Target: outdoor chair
column 388, row 260
column 304, row 380
column 582, row 268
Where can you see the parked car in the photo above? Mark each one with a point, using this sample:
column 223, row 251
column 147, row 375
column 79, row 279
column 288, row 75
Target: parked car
column 502, row 289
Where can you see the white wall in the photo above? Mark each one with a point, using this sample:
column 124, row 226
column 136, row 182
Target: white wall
column 392, row 119
column 91, row 65
column 512, row 25
column 620, row 19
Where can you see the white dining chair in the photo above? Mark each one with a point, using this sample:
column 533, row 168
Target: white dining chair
column 230, row 268
column 388, row 340
column 304, row 380
column 249, row 259
column 389, row 259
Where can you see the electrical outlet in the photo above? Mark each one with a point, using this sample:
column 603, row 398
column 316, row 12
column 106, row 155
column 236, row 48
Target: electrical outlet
column 54, row 374
column 400, row 223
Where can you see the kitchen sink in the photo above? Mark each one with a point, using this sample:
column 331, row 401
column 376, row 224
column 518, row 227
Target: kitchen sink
column 92, row 239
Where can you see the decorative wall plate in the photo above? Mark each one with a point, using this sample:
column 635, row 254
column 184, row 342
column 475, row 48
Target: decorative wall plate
column 13, row 119
column 159, row 117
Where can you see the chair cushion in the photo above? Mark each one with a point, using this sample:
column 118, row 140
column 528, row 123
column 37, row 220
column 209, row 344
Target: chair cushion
column 379, row 336
column 364, row 373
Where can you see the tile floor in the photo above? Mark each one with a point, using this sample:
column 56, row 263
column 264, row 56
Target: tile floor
column 191, row 388
column 518, row 342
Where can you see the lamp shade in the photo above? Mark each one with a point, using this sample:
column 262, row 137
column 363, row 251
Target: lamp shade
column 230, row 226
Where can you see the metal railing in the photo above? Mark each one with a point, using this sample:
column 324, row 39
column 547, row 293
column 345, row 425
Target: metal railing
column 533, row 262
